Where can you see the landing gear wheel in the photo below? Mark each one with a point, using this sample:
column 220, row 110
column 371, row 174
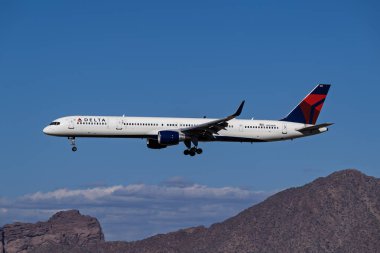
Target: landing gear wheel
column 192, row 150
column 72, row 143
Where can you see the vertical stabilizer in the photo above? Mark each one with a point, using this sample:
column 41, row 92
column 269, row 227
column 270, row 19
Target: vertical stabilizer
column 308, row 110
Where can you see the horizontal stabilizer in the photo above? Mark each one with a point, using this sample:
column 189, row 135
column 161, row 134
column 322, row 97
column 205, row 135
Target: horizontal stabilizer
column 316, row 127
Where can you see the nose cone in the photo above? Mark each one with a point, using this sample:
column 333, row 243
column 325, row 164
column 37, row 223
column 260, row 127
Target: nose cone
column 47, row 130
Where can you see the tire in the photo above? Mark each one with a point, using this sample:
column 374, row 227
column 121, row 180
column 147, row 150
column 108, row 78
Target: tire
column 74, row 149
column 199, row 151
column 192, row 153
column 186, row 152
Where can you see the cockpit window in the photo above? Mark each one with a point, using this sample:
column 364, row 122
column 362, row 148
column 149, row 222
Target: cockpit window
column 55, row 123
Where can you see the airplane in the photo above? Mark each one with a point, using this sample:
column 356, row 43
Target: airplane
column 162, row 132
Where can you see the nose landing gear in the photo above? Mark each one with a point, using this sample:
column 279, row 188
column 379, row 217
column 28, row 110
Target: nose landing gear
column 72, row 143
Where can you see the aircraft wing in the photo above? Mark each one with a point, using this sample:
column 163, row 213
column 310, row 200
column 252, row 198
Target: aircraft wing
column 208, row 129
column 315, row 127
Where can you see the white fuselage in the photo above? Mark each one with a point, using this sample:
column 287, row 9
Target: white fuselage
column 149, row 127
column 162, row 132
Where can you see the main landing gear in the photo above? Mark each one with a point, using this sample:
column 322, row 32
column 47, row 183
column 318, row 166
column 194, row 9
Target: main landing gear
column 192, row 151
column 72, row 143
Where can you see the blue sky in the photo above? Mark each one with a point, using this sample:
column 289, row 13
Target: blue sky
column 172, row 58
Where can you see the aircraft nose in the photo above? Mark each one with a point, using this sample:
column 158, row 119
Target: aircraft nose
column 46, row 130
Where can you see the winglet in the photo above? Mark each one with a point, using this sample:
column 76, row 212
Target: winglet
column 239, row 110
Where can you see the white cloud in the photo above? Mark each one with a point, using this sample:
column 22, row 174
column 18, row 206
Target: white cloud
column 90, row 194
column 130, row 212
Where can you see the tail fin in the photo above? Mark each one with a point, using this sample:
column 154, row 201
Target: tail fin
column 308, row 110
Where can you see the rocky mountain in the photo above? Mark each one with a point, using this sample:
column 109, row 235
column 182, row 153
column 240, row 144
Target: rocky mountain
column 338, row 213
column 68, row 228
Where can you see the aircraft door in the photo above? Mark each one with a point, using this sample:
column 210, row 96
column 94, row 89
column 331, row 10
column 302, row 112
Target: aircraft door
column 284, row 129
column 119, row 124
column 71, row 123
column 241, row 128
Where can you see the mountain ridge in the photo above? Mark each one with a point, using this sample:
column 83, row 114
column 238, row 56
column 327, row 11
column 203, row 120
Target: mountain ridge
column 337, row 213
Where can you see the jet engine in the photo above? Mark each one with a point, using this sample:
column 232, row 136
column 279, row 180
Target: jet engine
column 170, row 137
column 153, row 144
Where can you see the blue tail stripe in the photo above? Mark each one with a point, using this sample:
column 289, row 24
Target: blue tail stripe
column 295, row 116
column 322, row 89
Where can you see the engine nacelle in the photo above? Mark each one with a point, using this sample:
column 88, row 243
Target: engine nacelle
column 153, row 144
column 170, row 137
